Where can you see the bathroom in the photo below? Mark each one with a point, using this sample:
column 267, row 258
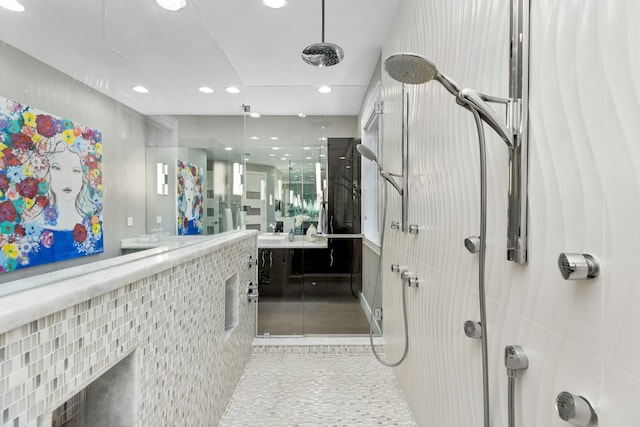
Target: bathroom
column 583, row 92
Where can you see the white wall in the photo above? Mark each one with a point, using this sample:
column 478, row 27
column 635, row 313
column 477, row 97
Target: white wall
column 584, row 196
column 29, row 81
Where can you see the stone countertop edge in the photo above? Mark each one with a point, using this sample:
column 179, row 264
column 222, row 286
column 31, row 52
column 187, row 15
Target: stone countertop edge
column 23, row 307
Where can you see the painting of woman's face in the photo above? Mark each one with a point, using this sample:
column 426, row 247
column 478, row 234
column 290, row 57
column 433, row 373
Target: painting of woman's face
column 65, row 168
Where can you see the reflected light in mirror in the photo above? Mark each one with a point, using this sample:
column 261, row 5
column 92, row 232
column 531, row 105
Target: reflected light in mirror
column 237, row 179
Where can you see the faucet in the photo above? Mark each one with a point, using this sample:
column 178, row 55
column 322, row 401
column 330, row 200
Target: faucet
column 273, row 229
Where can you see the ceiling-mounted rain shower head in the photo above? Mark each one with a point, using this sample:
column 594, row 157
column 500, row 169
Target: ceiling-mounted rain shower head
column 322, row 54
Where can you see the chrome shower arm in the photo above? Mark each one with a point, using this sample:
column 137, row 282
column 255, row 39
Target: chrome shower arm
column 475, row 100
column 391, row 181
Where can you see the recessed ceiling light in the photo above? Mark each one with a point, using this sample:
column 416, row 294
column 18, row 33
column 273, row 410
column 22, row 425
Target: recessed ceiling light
column 342, row 157
column 275, row 148
column 287, row 155
column 205, row 89
column 172, row 5
column 140, row 89
column 228, row 148
column 12, row 5
column 254, row 115
column 275, row 4
column 232, row 89
column 302, row 115
column 284, row 158
column 274, row 138
column 254, row 138
column 324, row 89
column 308, row 158
column 272, row 155
column 322, row 138
column 322, row 155
column 306, row 148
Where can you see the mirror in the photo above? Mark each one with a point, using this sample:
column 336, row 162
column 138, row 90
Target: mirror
column 259, row 172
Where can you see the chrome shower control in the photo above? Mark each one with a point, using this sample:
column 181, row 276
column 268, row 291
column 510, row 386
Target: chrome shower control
column 578, row 266
column 472, row 244
column 473, row 329
column 252, row 261
column 415, row 229
column 395, row 225
column 410, row 278
column 575, row 409
column 515, row 358
column 397, row 268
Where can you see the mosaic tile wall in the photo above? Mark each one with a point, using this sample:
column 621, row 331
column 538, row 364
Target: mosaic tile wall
column 173, row 323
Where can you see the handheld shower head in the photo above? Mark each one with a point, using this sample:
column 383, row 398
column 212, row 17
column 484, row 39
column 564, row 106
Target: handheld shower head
column 365, row 152
column 411, row 68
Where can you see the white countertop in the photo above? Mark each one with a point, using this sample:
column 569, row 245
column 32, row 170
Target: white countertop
column 281, row 241
column 25, row 300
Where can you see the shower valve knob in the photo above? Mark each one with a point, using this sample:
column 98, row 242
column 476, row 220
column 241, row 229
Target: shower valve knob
column 395, row 225
column 397, row 268
column 578, row 266
column 473, row 329
column 575, row 409
column 415, row 229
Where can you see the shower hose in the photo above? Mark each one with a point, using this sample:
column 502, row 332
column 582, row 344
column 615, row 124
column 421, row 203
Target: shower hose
column 482, row 263
column 375, row 291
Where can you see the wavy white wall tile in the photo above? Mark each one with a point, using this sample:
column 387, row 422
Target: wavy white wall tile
column 584, row 196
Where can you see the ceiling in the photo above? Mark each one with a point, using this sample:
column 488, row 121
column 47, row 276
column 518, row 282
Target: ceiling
column 113, row 45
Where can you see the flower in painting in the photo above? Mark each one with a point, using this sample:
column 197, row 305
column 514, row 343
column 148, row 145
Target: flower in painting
column 97, row 137
column 21, row 141
column 28, row 203
column 7, row 228
column 98, row 149
column 92, row 162
column 95, row 228
column 19, row 205
column 14, row 126
column 51, row 215
column 15, row 174
column 43, row 187
column 13, row 106
column 39, row 163
column 7, row 211
column 10, row 250
column 25, row 246
column 42, row 201
column 10, row 264
column 27, row 170
column 29, row 118
column 9, row 158
column 4, row 122
column 46, row 239
column 33, row 230
column 19, row 230
column 29, row 131
column 87, row 134
column 79, row 233
column 45, row 125
column 4, row 182
column 67, row 124
column 28, row 187
column 68, row 136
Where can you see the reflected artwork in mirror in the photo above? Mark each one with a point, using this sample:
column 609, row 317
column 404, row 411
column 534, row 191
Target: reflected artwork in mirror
column 50, row 188
column 190, row 199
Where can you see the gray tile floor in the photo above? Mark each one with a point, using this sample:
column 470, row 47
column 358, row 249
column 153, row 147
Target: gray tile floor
column 308, row 390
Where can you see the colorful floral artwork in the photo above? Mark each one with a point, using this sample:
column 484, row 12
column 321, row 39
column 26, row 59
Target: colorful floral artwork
column 190, row 199
column 50, row 188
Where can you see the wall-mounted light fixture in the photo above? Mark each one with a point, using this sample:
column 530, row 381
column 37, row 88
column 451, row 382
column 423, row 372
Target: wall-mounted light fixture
column 162, row 179
column 172, row 5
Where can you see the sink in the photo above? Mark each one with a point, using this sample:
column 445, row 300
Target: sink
column 272, row 237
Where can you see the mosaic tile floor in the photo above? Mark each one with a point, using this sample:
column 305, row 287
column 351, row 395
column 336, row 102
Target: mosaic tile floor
column 313, row 390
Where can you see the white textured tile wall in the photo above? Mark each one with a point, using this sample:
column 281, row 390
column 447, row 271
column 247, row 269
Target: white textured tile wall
column 173, row 323
column 584, row 196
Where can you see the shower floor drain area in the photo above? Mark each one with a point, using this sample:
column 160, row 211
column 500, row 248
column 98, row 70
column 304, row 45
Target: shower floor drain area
column 278, row 390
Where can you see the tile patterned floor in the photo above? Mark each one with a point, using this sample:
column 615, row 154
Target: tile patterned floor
column 313, row 390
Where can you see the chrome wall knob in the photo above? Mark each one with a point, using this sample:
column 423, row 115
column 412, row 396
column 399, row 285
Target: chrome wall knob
column 575, row 409
column 578, row 266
